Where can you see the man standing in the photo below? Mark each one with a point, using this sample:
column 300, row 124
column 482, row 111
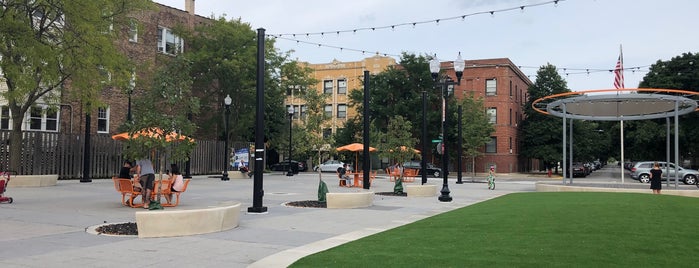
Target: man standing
column 146, row 174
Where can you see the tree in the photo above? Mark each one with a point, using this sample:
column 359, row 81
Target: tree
column 540, row 135
column 680, row 72
column 398, row 145
column 46, row 46
column 475, row 126
column 165, row 106
column 397, row 91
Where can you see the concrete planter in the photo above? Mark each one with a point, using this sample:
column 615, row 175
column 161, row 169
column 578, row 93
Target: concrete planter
column 237, row 175
column 350, row 200
column 33, row 180
column 426, row 190
column 166, row 223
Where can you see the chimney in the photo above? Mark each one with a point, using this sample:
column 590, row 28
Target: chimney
column 189, row 6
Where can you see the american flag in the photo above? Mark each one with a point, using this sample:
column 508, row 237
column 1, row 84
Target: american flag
column 619, row 72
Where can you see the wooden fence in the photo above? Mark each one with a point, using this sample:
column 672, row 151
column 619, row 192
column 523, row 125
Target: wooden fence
column 62, row 154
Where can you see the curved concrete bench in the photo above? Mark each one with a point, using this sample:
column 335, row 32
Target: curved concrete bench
column 165, row 223
column 237, row 175
column 426, row 190
column 33, row 180
column 544, row 187
column 350, row 200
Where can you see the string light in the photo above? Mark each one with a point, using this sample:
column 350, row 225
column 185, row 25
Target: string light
column 437, row 21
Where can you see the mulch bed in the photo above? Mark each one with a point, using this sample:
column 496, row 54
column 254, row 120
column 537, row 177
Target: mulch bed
column 392, row 194
column 128, row 228
column 307, row 204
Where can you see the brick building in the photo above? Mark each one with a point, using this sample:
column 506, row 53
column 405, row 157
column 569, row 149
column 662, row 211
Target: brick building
column 150, row 42
column 503, row 87
column 499, row 82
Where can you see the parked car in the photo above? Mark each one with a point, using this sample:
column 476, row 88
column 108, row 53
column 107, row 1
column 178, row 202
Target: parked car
column 579, row 170
column 641, row 172
column 432, row 170
column 331, row 166
column 284, row 166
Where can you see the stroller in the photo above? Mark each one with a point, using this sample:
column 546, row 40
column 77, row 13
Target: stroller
column 4, row 180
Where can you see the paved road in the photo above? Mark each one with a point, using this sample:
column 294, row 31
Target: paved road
column 46, row 227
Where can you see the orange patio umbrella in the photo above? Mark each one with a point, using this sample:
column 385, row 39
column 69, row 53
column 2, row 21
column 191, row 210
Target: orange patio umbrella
column 355, row 147
column 153, row 133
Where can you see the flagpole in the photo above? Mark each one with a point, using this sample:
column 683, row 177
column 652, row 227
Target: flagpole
column 619, row 83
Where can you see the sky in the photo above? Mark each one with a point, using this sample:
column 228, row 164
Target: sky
column 573, row 35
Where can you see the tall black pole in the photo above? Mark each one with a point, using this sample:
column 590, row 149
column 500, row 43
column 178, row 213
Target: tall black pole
column 257, row 190
column 366, row 165
column 86, row 154
column 226, row 158
column 128, row 112
column 188, row 164
column 459, row 151
column 291, row 115
column 423, row 162
column 444, row 197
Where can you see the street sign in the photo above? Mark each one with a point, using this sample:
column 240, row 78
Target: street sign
column 436, row 141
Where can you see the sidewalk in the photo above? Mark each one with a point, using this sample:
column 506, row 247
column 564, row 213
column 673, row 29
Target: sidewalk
column 46, row 227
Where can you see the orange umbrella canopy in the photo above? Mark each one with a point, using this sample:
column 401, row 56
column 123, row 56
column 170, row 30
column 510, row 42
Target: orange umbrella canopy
column 153, row 133
column 404, row 148
column 355, row 147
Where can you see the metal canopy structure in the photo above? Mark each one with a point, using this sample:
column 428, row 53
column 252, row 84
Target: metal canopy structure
column 620, row 105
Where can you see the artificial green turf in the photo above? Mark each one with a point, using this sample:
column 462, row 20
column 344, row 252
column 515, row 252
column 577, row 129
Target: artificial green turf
column 537, row 230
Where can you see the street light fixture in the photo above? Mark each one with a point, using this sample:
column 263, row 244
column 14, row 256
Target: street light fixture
column 447, row 86
column 290, row 110
column 227, row 101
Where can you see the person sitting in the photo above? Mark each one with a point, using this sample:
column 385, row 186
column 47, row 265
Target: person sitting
column 342, row 173
column 125, row 171
column 176, row 182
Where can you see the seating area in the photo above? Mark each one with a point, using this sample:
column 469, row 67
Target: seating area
column 409, row 174
column 128, row 193
column 358, row 179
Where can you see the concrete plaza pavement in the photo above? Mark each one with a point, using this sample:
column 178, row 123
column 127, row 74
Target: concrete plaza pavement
column 48, row 226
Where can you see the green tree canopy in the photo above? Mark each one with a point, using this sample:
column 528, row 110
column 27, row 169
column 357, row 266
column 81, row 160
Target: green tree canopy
column 46, row 45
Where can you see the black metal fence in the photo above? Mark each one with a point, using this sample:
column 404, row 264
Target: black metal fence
column 62, row 154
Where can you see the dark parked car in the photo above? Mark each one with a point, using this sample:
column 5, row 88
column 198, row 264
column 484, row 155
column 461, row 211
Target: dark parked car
column 284, row 166
column 579, row 170
column 432, row 170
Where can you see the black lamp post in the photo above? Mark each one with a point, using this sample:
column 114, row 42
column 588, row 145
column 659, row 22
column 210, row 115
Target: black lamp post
column 291, row 117
column 226, row 160
column 447, row 86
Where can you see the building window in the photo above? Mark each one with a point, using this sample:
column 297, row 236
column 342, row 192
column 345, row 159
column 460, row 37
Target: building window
column 510, row 116
column 510, row 143
column 341, row 86
column 297, row 111
column 516, row 93
column 342, row 111
column 133, row 31
column 327, row 132
column 168, row 42
column 304, row 111
column 510, row 89
column 492, row 146
column 328, row 111
column 5, row 117
column 42, row 119
column 102, row 120
column 492, row 113
column 328, row 86
column 490, row 87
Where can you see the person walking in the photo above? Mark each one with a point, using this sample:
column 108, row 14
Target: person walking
column 655, row 177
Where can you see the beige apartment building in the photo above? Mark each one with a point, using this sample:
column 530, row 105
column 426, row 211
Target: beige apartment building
column 336, row 79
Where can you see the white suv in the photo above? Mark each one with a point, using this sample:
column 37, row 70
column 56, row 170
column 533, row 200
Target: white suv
column 641, row 172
